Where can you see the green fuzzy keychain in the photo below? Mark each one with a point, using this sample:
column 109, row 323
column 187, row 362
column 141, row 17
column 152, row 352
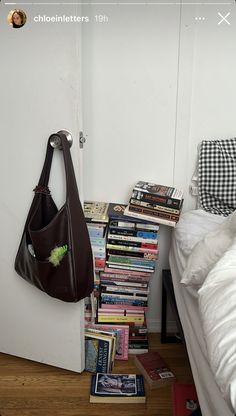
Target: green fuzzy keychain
column 57, row 255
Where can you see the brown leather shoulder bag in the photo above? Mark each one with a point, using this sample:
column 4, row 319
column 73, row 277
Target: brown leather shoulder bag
column 55, row 252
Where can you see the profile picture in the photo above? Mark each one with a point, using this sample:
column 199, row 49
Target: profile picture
column 16, row 18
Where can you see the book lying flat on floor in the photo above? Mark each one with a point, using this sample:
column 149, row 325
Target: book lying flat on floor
column 184, row 399
column 154, row 369
column 117, row 388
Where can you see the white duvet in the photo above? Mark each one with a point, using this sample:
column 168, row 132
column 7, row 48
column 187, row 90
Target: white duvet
column 192, row 227
column 217, row 306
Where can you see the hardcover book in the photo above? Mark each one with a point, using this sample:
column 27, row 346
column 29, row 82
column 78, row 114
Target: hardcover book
column 154, row 369
column 184, row 399
column 117, row 388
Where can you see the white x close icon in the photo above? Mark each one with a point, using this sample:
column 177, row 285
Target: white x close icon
column 224, row 18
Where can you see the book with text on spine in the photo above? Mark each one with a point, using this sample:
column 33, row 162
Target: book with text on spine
column 163, row 190
column 150, row 218
column 99, row 352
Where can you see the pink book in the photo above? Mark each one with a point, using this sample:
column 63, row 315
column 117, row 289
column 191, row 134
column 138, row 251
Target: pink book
column 127, row 272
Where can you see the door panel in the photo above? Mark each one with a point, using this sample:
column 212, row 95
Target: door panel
column 130, row 67
column 39, row 96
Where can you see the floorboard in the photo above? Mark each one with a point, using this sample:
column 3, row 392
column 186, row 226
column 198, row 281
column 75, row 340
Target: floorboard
column 28, row 388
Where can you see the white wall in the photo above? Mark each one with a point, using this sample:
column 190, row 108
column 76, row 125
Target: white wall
column 154, row 86
column 206, row 99
column 130, row 71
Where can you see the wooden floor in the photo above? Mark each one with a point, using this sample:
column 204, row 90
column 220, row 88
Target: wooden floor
column 33, row 389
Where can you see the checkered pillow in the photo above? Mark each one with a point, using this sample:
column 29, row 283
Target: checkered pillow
column 217, row 176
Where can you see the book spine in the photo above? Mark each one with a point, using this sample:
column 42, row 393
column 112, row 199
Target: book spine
column 96, row 241
column 130, row 273
column 123, row 283
column 134, row 233
column 131, row 260
column 124, row 290
column 121, row 224
column 132, row 238
column 120, row 319
column 157, row 199
column 135, row 244
column 129, row 268
column 117, row 296
column 151, row 218
column 154, row 213
column 125, row 277
column 131, row 253
column 107, row 306
column 161, row 208
column 124, row 301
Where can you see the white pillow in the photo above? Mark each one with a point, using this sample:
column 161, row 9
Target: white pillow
column 208, row 251
column 217, row 307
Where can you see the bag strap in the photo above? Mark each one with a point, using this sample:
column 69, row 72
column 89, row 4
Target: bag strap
column 71, row 184
column 44, row 177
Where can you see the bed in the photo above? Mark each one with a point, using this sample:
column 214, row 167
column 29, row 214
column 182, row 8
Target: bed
column 203, row 267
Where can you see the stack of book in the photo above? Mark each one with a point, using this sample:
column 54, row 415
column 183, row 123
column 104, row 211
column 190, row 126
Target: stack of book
column 96, row 216
column 132, row 251
column 157, row 203
column 131, row 245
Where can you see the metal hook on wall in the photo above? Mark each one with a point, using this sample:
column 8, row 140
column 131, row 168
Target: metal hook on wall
column 55, row 140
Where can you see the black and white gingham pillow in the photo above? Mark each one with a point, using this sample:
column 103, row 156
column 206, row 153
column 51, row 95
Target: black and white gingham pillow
column 217, row 176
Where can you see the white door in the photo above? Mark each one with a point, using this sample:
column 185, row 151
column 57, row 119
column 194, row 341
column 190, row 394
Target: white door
column 39, row 96
column 130, row 67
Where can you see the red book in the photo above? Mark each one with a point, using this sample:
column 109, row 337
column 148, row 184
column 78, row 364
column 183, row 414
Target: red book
column 184, row 399
column 154, row 369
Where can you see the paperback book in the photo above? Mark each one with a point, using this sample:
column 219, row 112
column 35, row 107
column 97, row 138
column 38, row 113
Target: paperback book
column 184, row 399
column 99, row 352
column 96, row 211
column 154, row 369
column 122, row 338
column 149, row 218
column 159, row 194
column 117, row 388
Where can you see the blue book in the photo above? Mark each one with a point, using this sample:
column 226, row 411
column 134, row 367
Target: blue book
column 117, row 388
column 97, row 353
